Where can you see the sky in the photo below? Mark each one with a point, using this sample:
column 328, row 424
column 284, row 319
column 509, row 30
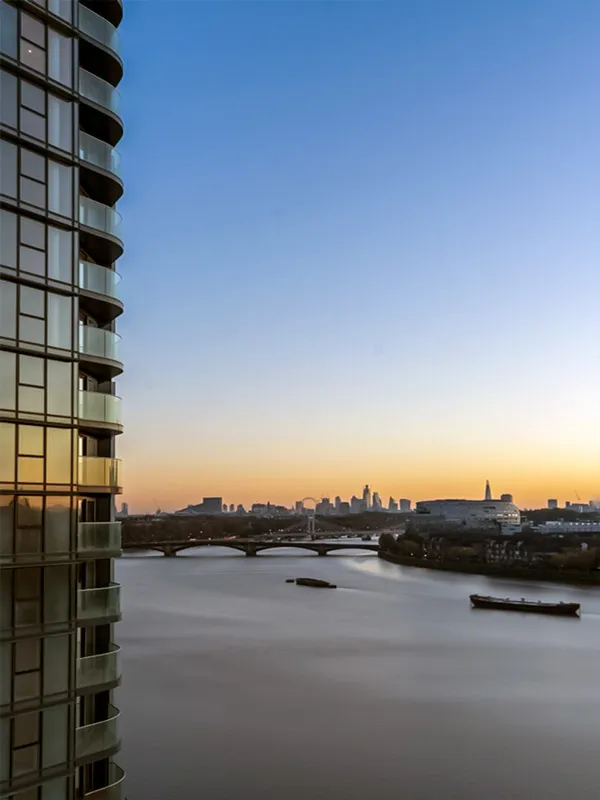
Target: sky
column 362, row 246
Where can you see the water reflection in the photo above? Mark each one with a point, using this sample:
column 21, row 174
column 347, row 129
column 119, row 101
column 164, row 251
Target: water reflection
column 238, row 685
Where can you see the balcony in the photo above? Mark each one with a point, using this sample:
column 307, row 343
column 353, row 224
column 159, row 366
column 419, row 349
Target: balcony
column 100, row 296
column 98, row 407
column 95, row 604
column 97, row 737
column 100, row 539
column 100, row 473
column 101, row 92
column 99, row 669
column 98, row 28
column 98, row 342
column 114, row 788
column 97, row 215
column 98, row 153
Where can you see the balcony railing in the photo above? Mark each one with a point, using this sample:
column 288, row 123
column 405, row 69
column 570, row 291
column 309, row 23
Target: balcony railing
column 114, row 788
column 97, row 215
column 97, row 152
column 98, row 407
column 99, row 669
column 98, row 537
column 98, row 342
column 99, row 279
column 98, row 736
column 98, row 91
column 99, row 471
column 99, row 603
column 98, row 28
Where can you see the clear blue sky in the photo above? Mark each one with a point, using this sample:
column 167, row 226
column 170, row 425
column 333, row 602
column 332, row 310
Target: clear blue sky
column 362, row 245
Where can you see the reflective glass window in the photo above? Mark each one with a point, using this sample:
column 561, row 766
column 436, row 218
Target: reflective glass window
column 33, row 124
column 33, row 261
column 33, row 192
column 60, row 195
column 56, row 594
column 26, row 686
column 31, row 400
column 30, row 470
column 31, row 370
column 60, row 126
column 55, row 734
column 33, row 165
column 32, row 97
column 26, row 729
column 7, row 452
column 31, row 329
column 59, row 456
column 8, row 373
column 8, row 168
column 8, row 305
column 33, row 56
column 27, row 655
column 29, row 512
column 8, row 238
column 32, row 233
column 60, row 321
column 56, row 664
column 58, row 519
column 60, row 254
column 59, row 388
column 8, row 99
column 8, row 29
column 33, row 29
column 60, row 49
column 25, row 759
column 31, row 440
column 62, row 8
column 32, row 301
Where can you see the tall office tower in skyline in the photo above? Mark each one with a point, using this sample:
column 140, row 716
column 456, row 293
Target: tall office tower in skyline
column 552, row 503
column 59, row 413
column 377, row 504
column 404, row 504
column 488, row 491
column 366, row 496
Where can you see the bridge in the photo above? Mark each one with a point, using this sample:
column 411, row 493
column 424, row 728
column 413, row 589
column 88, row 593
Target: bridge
column 251, row 547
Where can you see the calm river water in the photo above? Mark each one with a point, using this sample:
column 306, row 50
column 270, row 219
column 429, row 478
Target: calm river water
column 238, row 686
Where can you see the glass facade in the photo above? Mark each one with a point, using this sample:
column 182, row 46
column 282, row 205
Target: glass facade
column 59, row 410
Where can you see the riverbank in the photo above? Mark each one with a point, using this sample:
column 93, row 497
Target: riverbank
column 498, row 570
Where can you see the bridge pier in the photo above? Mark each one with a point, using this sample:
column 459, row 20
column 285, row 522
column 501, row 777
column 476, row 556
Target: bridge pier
column 251, row 552
column 169, row 552
column 322, row 552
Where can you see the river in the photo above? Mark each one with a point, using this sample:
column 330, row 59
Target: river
column 238, row 686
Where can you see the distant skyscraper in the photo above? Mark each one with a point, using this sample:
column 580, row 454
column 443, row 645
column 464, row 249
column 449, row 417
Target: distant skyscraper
column 404, row 504
column 338, row 503
column 344, row 509
column 325, row 506
column 392, row 505
column 231, row 508
column 506, row 498
column 377, row 504
column 356, row 504
column 488, row 491
column 124, row 510
column 299, row 507
column 366, row 497
column 552, row 503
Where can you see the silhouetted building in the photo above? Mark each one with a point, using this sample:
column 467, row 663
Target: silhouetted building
column 404, row 505
column 344, row 508
column 377, row 504
column 338, row 503
column 60, row 241
column 488, row 491
column 392, row 505
column 366, row 498
column 325, row 507
column 552, row 503
column 506, row 498
column 356, row 505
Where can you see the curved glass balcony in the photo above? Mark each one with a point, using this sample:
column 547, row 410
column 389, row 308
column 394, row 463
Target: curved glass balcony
column 98, row 537
column 99, row 669
column 97, row 215
column 98, row 91
column 98, row 603
column 99, row 471
column 98, row 407
column 99, row 279
column 97, row 737
column 98, row 342
column 114, row 788
column 98, row 28
column 98, row 153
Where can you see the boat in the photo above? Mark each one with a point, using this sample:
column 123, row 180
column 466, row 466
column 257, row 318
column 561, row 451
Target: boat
column 314, row 582
column 532, row 606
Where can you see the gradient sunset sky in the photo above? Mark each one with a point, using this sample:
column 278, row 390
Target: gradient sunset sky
column 362, row 245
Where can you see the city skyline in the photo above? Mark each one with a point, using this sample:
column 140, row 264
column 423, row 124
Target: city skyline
column 391, row 269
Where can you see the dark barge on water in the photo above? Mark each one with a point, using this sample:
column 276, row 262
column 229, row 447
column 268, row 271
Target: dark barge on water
column 532, row 606
column 314, row 582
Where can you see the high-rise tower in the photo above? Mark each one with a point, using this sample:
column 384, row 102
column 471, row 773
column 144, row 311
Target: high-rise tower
column 59, row 412
column 488, row 491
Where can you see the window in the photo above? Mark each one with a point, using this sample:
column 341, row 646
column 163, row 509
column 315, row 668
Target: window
column 59, row 388
column 60, row 254
column 60, row 126
column 60, row 321
column 33, row 165
column 31, row 440
column 8, row 239
column 32, row 233
column 7, row 452
column 60, row 49
column 8, row 99
column 8, row 372
column 62, row 8
column 33, row 43
column 8, row 304
column 33, row 30
column 8, row 29
column 31, row 370
column 27, row 655
column 33, row 98
column 8, row 168
column 57, row 533
column 59, row 455
column 60, row 180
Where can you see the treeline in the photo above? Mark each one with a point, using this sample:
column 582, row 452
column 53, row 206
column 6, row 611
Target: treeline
column 178, row 528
